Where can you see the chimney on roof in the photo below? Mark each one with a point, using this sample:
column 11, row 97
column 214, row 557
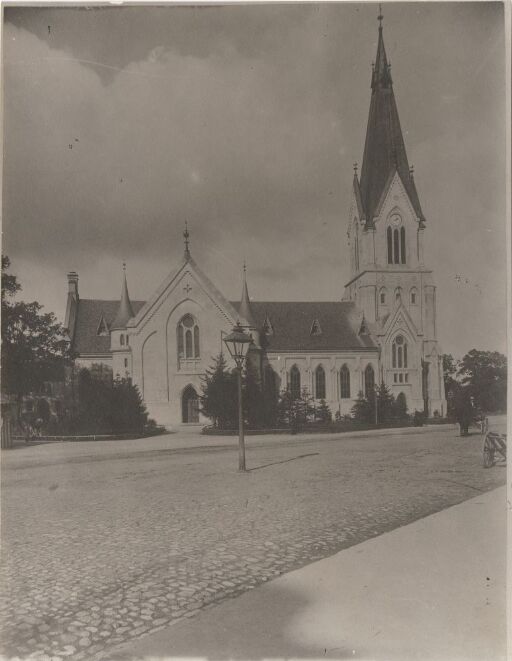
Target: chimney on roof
column 73, row 283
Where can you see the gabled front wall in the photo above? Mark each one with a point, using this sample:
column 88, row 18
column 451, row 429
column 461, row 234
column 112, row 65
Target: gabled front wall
column 157, row 370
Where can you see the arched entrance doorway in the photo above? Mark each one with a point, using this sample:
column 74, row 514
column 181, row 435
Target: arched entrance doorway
column 189, row 405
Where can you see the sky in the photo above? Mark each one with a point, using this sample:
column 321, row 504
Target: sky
column 120, row 123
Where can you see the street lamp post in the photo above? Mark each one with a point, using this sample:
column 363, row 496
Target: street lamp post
column 238, row 344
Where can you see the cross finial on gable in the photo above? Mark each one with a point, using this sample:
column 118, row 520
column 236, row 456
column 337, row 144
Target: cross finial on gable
column 186, row 236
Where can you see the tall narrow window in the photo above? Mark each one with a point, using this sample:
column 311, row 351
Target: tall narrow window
column 295, row 382
column 396, row 247
column 390, row 245
column 356, row 246
column 369, row 381
column 121, row 339
column 402, row 245
column 413, row 296
column 188, row 337
column 399, row 352
column 344, row 382
column 320, row 382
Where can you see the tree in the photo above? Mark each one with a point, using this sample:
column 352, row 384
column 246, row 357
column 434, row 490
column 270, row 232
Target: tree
column 219, row 398
column 323, row 412
column 400, row 407
column 35, row 348
column 364, row 408
column 386, row 409
column 128, row 411
column 485, row 375
column 450, row 366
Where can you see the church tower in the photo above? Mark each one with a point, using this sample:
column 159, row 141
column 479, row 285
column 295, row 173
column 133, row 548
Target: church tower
column 389, row 281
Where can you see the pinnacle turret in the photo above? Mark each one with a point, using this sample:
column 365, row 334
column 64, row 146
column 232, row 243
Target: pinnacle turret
column 125, row 310
column 245, row 303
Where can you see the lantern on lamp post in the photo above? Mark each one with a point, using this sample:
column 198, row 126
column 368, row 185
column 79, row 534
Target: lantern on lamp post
column 238, row 344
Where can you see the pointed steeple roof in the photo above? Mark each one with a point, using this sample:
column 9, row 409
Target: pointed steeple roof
column 245, row 303
column 125, row 310
column 384, row 149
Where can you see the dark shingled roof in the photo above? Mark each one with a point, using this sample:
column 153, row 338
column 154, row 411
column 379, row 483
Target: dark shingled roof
column 384, row 149
column 292, row 322
column 86, row 339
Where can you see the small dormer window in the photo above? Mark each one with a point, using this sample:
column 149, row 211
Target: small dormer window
column 102, row 327
column 315, row 328
column 268, row 329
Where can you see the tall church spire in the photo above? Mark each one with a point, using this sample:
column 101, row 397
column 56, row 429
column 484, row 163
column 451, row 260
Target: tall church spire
column 384, row 149
column 125, row 310
column 245, row 303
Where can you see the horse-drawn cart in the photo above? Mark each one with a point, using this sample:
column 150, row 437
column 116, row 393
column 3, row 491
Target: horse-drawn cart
column 495, row 446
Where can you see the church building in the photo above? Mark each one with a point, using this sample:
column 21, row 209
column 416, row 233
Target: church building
column 384, row 328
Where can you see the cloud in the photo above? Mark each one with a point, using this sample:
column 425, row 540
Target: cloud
column 245, row 122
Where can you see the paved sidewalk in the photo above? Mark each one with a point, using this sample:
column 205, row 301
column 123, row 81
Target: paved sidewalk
column 432, row 590
column 37, row 453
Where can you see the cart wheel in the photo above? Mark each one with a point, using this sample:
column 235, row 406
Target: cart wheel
column 488, row 453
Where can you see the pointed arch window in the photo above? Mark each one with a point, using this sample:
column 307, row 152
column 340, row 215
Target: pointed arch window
column 398, row 293
column 344, row 382
column 396, row 241
column 382, row 296
column 414, row 296
column 188, row 337
column 399, row 352
column 295, row 382
column 320, row 382
column 369, row 381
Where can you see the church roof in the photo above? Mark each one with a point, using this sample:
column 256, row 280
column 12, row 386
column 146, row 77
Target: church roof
column 292, row 323
column 384, row 149
column 88, row 316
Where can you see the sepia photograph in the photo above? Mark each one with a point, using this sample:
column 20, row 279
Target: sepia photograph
column 255, row 299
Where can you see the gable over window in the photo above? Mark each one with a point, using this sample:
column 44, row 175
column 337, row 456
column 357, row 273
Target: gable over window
column 102, row 327
column 315, row 328
column 268, row 329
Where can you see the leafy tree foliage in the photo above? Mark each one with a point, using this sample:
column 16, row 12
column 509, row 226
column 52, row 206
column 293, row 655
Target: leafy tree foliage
column 450, row 367
column 400, row 406
column 386, row 408
column 219, row 396
column 109, row 408
column 485, row 375
column 323, row 412
column 364, row 408
column 34, row 345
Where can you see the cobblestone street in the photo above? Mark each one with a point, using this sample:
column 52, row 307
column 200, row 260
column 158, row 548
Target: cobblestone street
column 104, row 542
